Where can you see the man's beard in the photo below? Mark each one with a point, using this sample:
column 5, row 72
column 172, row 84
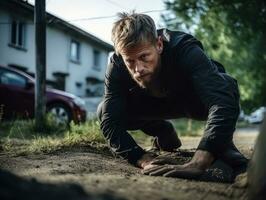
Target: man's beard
column 153, row 79
column 144, row 84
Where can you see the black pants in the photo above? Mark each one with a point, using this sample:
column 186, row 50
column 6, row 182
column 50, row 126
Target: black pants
column 151, row 115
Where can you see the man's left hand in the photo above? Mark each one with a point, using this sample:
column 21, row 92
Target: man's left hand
column 179, row 171
column 191, row 170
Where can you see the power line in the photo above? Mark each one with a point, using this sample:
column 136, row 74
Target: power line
column 91, row 18
column 116, row 4
column 151, row 11
column 110, row 16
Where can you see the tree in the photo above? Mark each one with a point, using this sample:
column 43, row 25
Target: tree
column 233, row 32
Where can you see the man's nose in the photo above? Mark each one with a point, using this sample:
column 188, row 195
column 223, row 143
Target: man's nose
column 139, row 67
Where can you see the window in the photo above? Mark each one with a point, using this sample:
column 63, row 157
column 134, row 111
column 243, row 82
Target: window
column 96, row 60
column 78, row 84
column 9, row 78
column 18, row 33
column 75, row 51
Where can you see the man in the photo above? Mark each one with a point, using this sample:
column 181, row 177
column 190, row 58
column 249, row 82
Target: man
column 158, row 75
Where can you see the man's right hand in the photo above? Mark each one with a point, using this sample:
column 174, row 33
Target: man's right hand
column 145, row 161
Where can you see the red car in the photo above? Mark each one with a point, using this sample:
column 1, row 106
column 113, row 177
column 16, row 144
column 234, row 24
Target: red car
column 17, row 99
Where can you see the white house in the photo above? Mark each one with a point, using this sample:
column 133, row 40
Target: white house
column 76, row 60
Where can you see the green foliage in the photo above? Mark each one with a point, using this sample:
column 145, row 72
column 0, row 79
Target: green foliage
column 233, row 33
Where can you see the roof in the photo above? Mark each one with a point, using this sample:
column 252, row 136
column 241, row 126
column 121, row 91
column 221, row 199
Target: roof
column 28, row 9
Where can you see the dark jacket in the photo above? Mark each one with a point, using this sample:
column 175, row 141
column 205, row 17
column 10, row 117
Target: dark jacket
column 186, row 70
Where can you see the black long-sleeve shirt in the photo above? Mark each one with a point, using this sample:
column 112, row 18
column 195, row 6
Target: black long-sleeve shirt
column 186, row 70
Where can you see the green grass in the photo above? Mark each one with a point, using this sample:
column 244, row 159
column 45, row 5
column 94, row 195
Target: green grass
column 21, row 136
column 183, row 127
column 189, row 127
column 245, row 124
column 141, row 138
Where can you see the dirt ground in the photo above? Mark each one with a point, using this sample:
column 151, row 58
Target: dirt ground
column 99, row 173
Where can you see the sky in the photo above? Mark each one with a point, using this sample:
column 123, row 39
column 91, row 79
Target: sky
column 78, row 12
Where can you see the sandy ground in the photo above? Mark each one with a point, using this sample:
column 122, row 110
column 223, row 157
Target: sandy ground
column 99, row 173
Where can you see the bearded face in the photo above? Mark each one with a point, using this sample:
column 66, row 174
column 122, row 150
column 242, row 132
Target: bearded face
column 143, row 62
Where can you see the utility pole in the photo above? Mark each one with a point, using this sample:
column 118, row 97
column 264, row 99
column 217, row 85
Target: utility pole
column 40, row 56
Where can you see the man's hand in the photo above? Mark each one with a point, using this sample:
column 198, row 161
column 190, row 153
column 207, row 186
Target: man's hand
column 191, row 170
column 180, row 171
column 146, row 159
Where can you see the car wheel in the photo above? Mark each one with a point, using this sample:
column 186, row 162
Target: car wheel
column 60, row 112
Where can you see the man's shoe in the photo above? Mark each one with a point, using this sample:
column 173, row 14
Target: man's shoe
column 166, row 144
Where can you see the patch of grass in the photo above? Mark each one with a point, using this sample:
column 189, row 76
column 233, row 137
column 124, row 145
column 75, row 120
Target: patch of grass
column 183, row 127
column 141, row 138
column 21, row 137
column 189, row 127
column 244, row 124
column 26, row 129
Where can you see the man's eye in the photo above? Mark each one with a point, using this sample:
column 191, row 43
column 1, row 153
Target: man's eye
column 144, row 57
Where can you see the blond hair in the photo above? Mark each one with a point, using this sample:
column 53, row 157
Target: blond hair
column 131, row 29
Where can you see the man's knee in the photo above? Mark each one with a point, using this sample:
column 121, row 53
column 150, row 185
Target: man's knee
column 99, row 111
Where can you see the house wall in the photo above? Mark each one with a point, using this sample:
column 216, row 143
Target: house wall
column 58, row 54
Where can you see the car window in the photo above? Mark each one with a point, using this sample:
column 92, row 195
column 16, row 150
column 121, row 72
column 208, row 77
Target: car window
column 9, row 78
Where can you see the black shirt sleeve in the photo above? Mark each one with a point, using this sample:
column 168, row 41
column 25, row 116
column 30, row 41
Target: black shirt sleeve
column 113, row 115
column 219, row 94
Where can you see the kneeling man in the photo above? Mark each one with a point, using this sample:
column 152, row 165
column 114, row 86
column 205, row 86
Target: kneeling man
column 156, row 75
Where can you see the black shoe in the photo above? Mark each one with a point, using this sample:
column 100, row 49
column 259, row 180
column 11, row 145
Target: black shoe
column 159, row 144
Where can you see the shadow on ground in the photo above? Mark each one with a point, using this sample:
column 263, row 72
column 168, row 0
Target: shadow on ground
column 14, row 187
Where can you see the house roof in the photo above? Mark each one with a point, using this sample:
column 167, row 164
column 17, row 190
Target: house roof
column 54, row 21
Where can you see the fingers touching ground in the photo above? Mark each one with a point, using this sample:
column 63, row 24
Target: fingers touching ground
column 158, row 170
column 178, row 171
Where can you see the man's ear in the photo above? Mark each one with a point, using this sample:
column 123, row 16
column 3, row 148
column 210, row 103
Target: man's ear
column 159, row 44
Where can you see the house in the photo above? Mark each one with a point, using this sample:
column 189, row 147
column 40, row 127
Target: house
column 75, row 59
